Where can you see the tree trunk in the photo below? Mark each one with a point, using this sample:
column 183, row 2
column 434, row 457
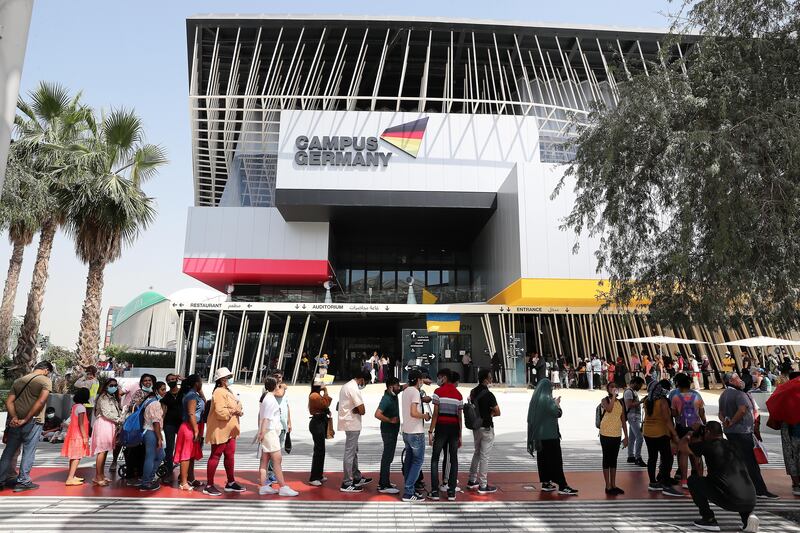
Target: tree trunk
column 89, row 337
column 10, row 294
column 28, row 342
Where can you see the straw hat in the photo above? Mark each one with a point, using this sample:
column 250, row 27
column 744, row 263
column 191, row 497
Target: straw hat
column 222, row 372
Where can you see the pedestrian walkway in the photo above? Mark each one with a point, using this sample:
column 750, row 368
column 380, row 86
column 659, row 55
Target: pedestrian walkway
column 87, row 515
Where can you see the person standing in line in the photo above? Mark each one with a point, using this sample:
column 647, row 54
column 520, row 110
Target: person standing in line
column 445, row 431
column 737, row 414
column 322, row 365
column 153, row 438
column 76, row 443
column 633, row 408
column 483, row 437
column 351, row 409
column 695, row 369
column 636, row 364
column 659, row 433
column 269, row 425
column 544, row 439
column 173, row 414
column 540, row 367
column 727, row 484
column 222, row 430
column 413, row 429
column 189, row 442
column 597, row 371
column 286, row 415
column 705, row 370
column 728, row 363
column 620, row 370
column 108, row 413
column 466, row 365
column 497, row 365
column 319, row 407
column 89, row 381
column 612, row 427
column 689, row 410
column 388, row 412
column 25, row 406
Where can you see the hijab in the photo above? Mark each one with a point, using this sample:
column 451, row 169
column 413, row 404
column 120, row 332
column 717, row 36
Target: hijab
column 539, row 409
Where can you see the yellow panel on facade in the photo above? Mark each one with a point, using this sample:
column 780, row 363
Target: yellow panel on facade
column 551, row 293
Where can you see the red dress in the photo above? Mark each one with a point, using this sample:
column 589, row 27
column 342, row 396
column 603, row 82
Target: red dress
column 74, row 446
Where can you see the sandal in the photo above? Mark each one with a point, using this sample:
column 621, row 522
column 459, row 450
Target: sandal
column 100, row 483
column 188, row 486
column 73, row 482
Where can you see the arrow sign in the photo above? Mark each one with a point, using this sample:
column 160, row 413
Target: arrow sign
column 413, row 333
column 407, row 368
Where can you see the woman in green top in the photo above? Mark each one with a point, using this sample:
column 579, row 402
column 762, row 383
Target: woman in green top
column 544, row 438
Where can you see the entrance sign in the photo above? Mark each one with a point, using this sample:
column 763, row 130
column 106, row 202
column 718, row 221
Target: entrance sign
column 418, row 352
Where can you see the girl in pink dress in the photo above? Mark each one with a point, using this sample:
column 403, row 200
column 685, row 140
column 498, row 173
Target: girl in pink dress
column 76, row 443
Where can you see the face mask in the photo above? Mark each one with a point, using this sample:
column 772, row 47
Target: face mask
column 361, row 387
column 172, row 384
column 112, row 389
column 440, row 382
column 158, row 397
column 51, row 415
column 230, row 381
column 147, row 389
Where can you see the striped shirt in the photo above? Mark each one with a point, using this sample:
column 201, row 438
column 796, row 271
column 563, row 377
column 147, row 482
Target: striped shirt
column 450, row 403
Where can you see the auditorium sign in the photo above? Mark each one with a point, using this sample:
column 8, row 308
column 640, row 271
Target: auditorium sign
column 344, row 151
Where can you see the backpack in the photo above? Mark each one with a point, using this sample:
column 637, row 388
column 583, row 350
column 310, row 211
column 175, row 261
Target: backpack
column 472, row 415
column 132, row 431
column 688, row 415
column 600, row 412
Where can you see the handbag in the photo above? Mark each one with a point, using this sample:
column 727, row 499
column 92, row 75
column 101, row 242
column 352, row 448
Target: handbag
column 762, row 457
column 330, row 432
column 287, row 443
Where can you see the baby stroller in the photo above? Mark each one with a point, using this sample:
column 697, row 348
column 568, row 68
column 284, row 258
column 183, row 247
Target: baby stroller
column 133, row 466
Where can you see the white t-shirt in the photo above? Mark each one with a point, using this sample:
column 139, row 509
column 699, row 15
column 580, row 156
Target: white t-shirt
column 410, row 424
column 349, row 398
column 597, row 366
column 271, row 411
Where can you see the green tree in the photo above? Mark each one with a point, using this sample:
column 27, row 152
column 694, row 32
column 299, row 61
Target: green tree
column 107, row 208
column 48, row 121
column 692, row 183
column 21, row 210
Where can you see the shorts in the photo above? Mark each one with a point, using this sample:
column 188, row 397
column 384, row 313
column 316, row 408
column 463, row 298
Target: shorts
column 271, row 442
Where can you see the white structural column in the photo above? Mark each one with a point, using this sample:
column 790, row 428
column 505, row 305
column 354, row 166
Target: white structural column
column 15, row 19
column 319, row 353
column 217, row 348
column 195, row 335
column 179, row 344
column 283, row 341
column 238, row 347
column 259, row 350
column 300, row 349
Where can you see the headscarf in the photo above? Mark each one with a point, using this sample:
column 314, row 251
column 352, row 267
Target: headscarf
column 539, row 409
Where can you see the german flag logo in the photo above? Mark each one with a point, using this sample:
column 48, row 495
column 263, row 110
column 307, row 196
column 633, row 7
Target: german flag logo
column 406, row 137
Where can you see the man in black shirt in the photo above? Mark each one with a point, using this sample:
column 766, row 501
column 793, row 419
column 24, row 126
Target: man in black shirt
column 483, row 437
column 173, row 416
column 727, row 484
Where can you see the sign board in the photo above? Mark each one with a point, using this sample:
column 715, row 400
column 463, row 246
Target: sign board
column 419, row 352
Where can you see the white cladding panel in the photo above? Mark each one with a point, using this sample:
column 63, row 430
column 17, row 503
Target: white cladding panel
column 465, row 153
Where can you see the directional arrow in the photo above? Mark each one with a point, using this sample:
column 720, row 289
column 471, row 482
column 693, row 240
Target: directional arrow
column 304, row 306
column 413, row 333
column 297, row 306
column 387, row 307
column 249, row 306
column 407, row 368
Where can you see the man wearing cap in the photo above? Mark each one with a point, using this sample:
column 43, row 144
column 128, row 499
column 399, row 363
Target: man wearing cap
column 351, row 409
column 728, row 363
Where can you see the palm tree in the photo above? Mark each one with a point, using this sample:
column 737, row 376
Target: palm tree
column 21, row 210
column 49, row 121
column 107, row 208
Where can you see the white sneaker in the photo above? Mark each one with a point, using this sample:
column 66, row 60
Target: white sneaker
column 286, row 490
column 443, row 487
column 266, row 489
column 752, row 524
column 315, row 483
column 388, row 490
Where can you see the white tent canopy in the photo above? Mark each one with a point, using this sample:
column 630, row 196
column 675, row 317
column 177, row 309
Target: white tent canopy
column 754, row 342
column 661, row 339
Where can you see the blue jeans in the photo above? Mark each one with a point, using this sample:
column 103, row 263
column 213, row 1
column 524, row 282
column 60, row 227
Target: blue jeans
column 28, row 437
column 415, row 456
column 153, row 456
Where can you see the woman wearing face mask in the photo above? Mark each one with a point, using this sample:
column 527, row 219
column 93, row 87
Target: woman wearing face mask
column 612, row 426
column 189, row 443
column 153, row 437
column 319, row 403
column 108, row 414
column 222, row 429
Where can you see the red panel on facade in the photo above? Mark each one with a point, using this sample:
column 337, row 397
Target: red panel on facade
column 219, row 272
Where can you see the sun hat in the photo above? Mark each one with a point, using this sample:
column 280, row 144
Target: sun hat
column 222, row 372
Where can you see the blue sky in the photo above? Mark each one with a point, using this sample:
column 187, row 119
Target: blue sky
column 133, row 54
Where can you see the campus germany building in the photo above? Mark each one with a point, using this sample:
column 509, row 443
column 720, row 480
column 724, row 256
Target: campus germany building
column 377, row 184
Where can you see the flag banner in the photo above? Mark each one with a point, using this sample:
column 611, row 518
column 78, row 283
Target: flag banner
column 428, row 297
column 444, row 322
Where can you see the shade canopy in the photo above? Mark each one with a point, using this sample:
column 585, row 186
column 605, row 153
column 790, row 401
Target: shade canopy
column 753, row 342
column 661, row 339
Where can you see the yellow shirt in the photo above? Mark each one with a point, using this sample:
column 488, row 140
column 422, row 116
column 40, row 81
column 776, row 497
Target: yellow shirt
column 728, row 363
column 611, row 423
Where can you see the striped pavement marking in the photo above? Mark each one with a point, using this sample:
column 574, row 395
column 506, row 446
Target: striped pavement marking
column 506, row 456
column 89, row 515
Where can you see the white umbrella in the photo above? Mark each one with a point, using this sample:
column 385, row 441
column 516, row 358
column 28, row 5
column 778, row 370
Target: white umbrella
column 754, row 342
column 661, row 339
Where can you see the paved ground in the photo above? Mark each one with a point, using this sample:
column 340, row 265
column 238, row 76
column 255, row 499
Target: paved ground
column 518, row 506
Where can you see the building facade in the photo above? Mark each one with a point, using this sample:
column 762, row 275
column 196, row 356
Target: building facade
column 353, row 175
